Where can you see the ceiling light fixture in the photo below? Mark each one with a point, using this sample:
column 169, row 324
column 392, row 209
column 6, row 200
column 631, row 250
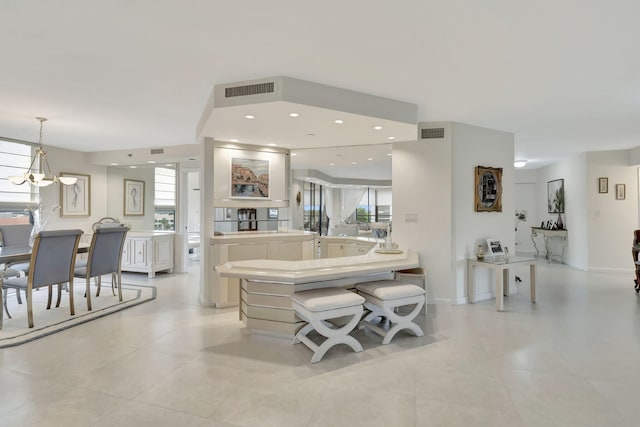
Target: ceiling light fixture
column 234, row 140
column 40, row 178
column 294, row 154
column 271, row 145
column 389, row 154
column 293, row 114
column 519, row 163
column 377, row 127
column 370, row 158
column 391, row 137
column 339, row 122
column 354, row 163
column 332, row 164
column 249, row 116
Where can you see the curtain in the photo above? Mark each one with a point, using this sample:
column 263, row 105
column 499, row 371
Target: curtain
column 329, row 207
column 350, row 199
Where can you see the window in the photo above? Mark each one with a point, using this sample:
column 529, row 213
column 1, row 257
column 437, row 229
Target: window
column 165, row 199
column 15, row 159
column 15, row 200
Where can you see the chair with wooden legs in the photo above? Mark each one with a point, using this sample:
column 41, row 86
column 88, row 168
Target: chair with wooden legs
column 52, row 262
column 105, row 257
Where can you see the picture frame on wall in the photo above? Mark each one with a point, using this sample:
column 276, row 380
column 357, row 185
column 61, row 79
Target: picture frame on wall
column 249, row 178
column 603, row 185
column 620, row 192
column 75, row 199
column 494, row 247
column 555, row 196
column 488, row 189
column 133, row 197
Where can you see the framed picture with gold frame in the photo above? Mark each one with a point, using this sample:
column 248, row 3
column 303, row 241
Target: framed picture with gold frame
column 488, row 189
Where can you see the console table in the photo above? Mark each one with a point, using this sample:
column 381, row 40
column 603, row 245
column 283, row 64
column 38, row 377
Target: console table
column 548, row 235
column 500, row 265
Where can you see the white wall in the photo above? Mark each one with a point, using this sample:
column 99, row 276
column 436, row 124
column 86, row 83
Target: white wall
column 116, row 179
column 422, row 186
column 574, row 173
column 193, row 202
column 69, row 161
column 611, row 222
column 476, row 146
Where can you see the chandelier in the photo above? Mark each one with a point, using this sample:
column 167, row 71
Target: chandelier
column 43, row 177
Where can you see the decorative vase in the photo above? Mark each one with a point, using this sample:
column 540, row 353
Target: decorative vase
column 480, row 253
column 559, row 223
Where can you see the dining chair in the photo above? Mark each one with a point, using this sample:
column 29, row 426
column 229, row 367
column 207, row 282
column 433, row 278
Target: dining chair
column 52, row 262
column 105, row 256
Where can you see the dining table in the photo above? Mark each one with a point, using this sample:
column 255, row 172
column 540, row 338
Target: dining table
column 10, row 254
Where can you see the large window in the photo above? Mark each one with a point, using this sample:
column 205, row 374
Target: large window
column 165, row 199
column 15, row 200
column 375, row 206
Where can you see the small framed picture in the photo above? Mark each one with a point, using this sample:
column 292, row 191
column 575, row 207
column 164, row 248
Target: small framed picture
column 75, row 199
column 603, row 185
column 620, row 192
column 495, row 247
column 133, row 197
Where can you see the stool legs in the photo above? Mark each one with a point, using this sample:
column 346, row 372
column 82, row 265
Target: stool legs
column 334, row 336
column 398, row 322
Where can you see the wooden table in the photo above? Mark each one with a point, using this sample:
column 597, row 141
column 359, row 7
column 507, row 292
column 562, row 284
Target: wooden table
column 499, row 264
column 10, row 254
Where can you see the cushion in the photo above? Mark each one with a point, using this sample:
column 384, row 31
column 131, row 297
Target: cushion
column 9, row 272
column 390, row 289
column 326, row 299
column 22, row 266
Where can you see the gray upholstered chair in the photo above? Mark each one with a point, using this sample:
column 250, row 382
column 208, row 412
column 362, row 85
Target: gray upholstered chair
column 105, row 256
column 52, row 262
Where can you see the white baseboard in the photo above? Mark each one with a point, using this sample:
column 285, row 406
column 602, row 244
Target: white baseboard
column 612, row 270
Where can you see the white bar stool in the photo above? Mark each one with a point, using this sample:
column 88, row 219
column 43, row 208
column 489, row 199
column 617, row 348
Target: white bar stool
column 319, row 305
column 383, row 297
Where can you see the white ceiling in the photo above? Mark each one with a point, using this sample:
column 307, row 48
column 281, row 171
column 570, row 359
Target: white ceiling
column 564, row 77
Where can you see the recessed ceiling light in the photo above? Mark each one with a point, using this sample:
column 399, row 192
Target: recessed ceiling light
column 354, row 163
column 294, row 154
column 377, row 127
column 370, row 158
column 114, row 164
column 169, row 164
column 151, row 161
column 293, row 114
column 311, row 134
column 249, row 116
column 339, row 122
column 332, row 164
column 271, row 145
column 234, row 140
column 519, row 163
column 389, row 154
column 391, row 137
column 133, row 167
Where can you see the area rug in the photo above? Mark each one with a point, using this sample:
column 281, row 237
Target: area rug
column 15, row 331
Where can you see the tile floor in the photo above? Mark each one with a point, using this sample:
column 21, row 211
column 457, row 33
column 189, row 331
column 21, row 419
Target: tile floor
column 569, row 360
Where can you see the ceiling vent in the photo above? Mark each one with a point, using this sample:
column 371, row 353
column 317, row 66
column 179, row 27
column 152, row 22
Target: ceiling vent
column 255, row 89
column 157, row 151
column 432, row 133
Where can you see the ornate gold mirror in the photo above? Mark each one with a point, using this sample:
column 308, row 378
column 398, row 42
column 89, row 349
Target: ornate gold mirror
column 488, row 189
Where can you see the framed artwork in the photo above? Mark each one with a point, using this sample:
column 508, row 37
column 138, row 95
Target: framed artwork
column 133, row 197
column 620, row 192
column 494, row 247
column 603, row 185
column 75, row 199
column 249, row 178
column 555, row 196
column 488, row 189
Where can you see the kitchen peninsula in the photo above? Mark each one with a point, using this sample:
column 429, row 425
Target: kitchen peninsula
column 265, row 304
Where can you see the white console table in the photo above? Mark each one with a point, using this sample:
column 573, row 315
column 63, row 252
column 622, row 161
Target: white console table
column 148, row 252
column 547, row 236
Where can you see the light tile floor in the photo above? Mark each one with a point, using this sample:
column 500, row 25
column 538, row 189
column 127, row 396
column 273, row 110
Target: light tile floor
column 569, row 360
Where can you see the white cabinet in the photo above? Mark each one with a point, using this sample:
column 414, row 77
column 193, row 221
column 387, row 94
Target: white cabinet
column 148, row 252
column 335, row 247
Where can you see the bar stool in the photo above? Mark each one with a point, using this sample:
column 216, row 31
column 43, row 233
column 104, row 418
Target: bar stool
column 383, row 298
column 319, row 305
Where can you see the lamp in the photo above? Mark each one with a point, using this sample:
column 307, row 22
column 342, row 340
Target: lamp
column 43, row 177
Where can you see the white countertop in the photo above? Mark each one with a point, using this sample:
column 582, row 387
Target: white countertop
column 314, row 270
column 262, row 236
